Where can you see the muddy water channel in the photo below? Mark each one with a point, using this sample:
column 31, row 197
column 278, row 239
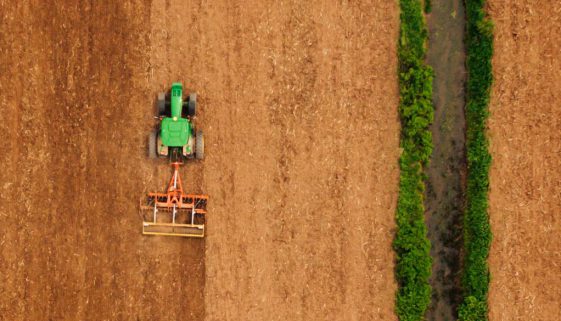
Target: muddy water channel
column 445, row 187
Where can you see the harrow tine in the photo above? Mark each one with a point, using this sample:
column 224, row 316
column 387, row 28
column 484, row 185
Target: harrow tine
column 155, row 212
column 182, row 214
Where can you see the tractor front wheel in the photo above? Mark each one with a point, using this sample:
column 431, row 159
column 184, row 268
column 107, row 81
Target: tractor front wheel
column 152, row 154
column 161, row 104
column 199, row 145
column 192, row 105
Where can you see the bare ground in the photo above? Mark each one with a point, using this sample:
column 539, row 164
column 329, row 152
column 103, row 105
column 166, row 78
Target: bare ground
column 525, row 127
column 75, row 113
column 445, row 193
column 302, row 169
column 299, row 106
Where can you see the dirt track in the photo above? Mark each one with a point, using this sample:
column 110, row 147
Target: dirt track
column 298, row 103
column 525, row 126
column 446, row 172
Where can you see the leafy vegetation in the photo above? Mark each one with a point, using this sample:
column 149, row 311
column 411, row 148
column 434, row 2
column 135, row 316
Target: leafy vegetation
column 428, row 6
column 416, row 112
column 477, row 232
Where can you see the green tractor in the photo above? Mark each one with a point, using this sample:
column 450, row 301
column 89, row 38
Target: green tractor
column 175, row 136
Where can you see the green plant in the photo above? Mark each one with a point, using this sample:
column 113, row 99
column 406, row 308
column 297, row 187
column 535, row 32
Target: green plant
column 428, row 6
column 477, row 232
column 473, row 310
column 413, row 267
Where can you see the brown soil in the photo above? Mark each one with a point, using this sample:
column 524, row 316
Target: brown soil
column 77, row 87
column 302, row 171
column 298, row 103
column 525, row 197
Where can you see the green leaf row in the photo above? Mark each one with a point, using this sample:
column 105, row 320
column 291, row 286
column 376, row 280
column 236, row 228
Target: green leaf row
column 412, row 247
column 477, row 232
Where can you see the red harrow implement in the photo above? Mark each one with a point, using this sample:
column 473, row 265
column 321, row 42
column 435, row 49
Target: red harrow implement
column 174, row 213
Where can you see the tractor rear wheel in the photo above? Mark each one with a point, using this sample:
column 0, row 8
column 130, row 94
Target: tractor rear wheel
column 199, row 145
column 152, row 154
column 161, row 104
column 192, row 104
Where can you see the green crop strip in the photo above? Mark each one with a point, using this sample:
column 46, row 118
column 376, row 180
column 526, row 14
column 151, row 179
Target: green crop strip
column 411, row 245
column 477, row 232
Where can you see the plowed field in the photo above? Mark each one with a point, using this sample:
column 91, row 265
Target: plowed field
column 525, row 133
column 298, row 101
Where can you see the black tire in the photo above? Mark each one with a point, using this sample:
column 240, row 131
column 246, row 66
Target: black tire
column 192, row 105
column 152, row 148
column 199, row 145
column 161, row 104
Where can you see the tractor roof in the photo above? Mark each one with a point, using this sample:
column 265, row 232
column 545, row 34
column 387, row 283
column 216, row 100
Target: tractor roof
column 175, row 131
